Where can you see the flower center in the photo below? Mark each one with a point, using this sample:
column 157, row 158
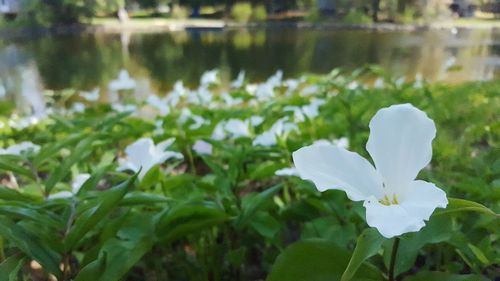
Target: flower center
column 387, row 201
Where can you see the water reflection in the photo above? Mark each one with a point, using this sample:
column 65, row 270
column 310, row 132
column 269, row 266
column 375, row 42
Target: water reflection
column 157, row 60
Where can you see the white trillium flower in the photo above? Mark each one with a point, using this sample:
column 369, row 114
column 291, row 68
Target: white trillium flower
column 90, row 96
column 76, row 185
column 209, row 77
column 145, row 154
column 20, row 148
column 400, row 144
column 240, row 80
column 78, row 107
column 123, row 82
column 159, row 104
column 279, row 129
column 379, row 83
column 202, row 147
column 118, row 107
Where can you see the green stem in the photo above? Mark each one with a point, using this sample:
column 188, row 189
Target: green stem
column 394, row 254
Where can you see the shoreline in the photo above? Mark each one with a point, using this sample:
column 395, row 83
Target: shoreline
column 151, row 25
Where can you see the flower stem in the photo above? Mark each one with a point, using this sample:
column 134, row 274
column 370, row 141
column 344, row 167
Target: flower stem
column 392, row 265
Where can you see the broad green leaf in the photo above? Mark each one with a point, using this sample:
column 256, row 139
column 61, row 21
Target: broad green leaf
column 254, row 201
column 81, row 151
column 462, row 205
column 437, row 230
column 10, row 267
column 40, row 216
column 108, row 201
column 143, row 198
column 93, row 270
column 9, row 194
column 368, row 244
column 444, row 276
column 479, row 254
column 14, row 167
column 187, row 219
column 31, row 245
column 317, row 260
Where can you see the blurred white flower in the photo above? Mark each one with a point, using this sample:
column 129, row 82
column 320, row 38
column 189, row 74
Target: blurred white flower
column 159, row 104
column 144, row 154
column 419, row 81
column 75, row 187
column 202, row 147
column 209, row 77
column 279, row 129
column 275, row 80
column 230, row 101
column 91, row 95
column 3, row 92
column 309, row 90
column 123, row 82
column 232, row 128
column 78, row 107
column 256, row 120
column 118, row 107
column 400, row 144
column 379, row 83
column 240, row 80
column 20, row 148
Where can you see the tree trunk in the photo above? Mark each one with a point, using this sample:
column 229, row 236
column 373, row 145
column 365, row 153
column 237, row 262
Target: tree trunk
column 375, row 9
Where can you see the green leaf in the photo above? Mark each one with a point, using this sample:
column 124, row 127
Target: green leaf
column 368, row 244
column 479, row 254
column 9, row 194
column 6, row 165
column 31, row 245
column 253, row 202
column 437, row 230
column 10, row 267
column 462, row 205
column 93, row 270
column 134, row 239
column 143, row 198
column 444, row 276
column 82, row 150
column 317, row 260
column 30, row 213
column 108, row 201
column 186, row 219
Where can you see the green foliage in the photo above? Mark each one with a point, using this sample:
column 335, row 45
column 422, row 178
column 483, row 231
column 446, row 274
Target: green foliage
column 180, row 12
column 227, row 216
column 259, row 13
column 316, row 260
column 356, row 17
column 241, row 12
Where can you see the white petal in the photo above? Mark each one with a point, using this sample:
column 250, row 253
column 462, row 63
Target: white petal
column 160, row 147
column 400, row 143
column 61, row 195
column 332, row 167
column 391, row 220
column 78, row 182
column 141, row 151
column 421, row 198
column 287, row 172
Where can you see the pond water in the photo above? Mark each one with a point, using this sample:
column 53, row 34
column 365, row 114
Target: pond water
column 157, row 60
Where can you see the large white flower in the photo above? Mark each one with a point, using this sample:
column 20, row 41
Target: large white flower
column 145, row 154
column 400, row 144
